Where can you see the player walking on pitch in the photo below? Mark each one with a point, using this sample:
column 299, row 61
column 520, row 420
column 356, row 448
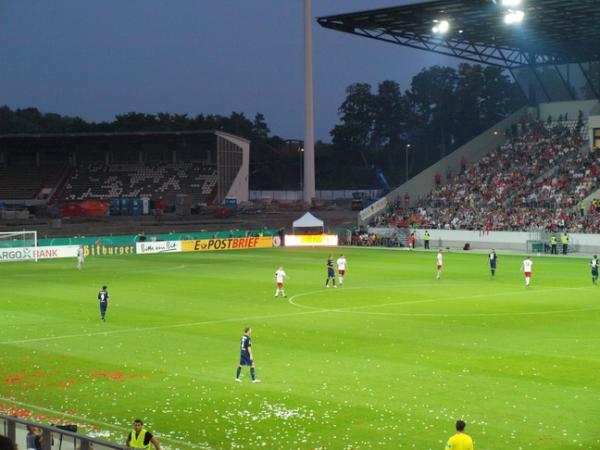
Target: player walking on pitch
column 103, row 297
column 526, row 267
column 279, row 279
column 80, row 257
column 493, row 261
column 594, row 266
column 246, row 358
column 440, row 263
column 330, row 272
column 342, row 266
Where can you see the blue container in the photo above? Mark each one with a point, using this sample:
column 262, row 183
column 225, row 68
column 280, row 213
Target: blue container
column 230, row 202
column 136, row 211
column 124, row 206
column 115, row 207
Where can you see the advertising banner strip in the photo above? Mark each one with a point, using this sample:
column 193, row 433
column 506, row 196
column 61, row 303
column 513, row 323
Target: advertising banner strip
column 29, row 253
column 158, row 247
column 311, row 240
column 206, row 245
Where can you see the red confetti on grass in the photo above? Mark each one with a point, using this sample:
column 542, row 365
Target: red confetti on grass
column 17, row 378
column 112, row 375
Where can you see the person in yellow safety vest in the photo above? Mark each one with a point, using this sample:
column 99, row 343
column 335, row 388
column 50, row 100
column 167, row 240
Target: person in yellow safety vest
column 565, row 242
column 140, row 438
column 582, row 208
column 554, row 244
column 460, row 441
column 426, row 238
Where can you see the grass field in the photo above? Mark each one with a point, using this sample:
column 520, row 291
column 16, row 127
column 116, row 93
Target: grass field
column 390, row 360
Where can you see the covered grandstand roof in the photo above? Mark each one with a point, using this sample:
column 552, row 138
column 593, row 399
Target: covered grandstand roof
column 7, row 137
column 552, row 31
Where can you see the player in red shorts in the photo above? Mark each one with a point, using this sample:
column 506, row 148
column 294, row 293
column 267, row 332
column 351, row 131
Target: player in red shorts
column 526, row 267
column 342, row 265
column 279, row 278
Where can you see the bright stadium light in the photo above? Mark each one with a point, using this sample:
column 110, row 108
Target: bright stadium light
column 512, row 17
column 441, row 26
column 511, row 3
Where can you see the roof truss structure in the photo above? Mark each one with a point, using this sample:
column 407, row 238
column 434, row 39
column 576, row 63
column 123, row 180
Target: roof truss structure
column 554, row 32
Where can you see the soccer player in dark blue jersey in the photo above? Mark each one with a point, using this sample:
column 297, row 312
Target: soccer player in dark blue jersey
column 493, row 261
column 246, row 358
column 103, row 297
column 594, row 266
column 330, row 272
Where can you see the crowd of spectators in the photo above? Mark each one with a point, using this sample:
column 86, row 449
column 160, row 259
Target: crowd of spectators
column 535, row 181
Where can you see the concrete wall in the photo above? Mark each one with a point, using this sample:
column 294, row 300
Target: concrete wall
column 571, row 108
column 239, row 187
column 472, row 151
column 501, row 240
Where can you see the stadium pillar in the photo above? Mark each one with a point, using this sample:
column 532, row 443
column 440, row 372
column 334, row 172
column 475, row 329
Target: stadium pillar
column 309, row 131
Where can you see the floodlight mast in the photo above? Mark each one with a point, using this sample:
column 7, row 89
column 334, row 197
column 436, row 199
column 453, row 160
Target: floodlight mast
column 309, row 127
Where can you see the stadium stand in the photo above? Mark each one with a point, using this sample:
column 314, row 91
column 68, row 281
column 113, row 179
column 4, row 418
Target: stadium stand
column 534, row 181
column 26, row 182
column 96, row 181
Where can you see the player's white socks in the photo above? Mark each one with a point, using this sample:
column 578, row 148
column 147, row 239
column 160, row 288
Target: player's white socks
column 341, row 280
column 277, row 291
column 437, row 277
column 527, row 281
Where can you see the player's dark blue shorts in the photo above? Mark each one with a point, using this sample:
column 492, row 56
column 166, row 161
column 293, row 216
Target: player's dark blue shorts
column 595, row 272
column 330, row 273
column 245, row 360
column 102, row 307
column 493, row 264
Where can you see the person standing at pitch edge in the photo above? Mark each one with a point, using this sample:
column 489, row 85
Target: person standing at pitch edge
column 426, row 239
column 553, row 245
column 103, row 297
column 594, row 266
column 565, row 242
column 330, row 272
column 140, row 438
column 460, row 441
column 493, row 261
column 80, row 257
column 246, row 358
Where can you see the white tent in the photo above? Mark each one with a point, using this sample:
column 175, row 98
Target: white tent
column 308, row 223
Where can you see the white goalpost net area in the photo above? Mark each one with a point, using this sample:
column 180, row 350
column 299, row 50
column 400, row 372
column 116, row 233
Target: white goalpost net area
column 18, row 246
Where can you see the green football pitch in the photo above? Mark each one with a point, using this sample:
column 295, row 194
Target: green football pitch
column 390, row 360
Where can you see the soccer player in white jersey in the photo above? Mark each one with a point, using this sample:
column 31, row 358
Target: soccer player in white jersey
column 80, row 257
column 594, row 266
column 440, row 263
column 342, row 265
column 527, row 267
column 279, row 278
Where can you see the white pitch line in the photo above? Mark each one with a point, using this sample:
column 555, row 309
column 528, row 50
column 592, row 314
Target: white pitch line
column 354, row 309
column 311, row 310
column 160, row 327
column 95, row 422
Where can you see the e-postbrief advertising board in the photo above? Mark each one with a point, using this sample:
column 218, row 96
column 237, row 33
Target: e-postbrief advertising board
column 158, row 247
column 207, row 245
column 30, row 253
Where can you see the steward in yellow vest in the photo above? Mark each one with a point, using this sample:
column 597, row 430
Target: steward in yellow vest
column 554, row 243
column 140, row 438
